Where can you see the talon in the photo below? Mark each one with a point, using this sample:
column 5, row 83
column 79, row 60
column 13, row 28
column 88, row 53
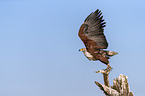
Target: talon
column 109, row 67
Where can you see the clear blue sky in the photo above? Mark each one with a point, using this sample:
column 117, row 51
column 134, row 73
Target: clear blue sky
column 39, row 46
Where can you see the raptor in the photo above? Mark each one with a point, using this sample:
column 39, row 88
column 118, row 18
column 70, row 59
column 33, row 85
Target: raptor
column 92, row 35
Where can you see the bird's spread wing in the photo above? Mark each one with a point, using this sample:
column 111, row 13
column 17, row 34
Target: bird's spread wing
column 91, row 31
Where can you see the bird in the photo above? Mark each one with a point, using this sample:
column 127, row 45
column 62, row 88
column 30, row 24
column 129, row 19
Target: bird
column 92, row 35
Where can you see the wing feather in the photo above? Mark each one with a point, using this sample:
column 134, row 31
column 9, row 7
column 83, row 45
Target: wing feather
column 95, row 29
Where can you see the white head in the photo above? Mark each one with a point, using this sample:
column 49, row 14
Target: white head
column 87, row 54
column 83, row 49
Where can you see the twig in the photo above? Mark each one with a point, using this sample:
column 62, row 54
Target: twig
column 105, row 73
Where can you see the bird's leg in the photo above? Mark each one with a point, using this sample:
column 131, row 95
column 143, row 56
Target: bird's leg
column 109, row 67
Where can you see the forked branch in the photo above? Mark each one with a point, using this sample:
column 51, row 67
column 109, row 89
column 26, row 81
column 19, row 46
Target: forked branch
column 120, row 85
column 105, row 73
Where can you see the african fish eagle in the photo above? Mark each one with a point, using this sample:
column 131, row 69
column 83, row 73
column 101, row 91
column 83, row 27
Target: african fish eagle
column 92, row 35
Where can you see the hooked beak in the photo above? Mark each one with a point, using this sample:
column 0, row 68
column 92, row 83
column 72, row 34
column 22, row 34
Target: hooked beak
column 80, row 49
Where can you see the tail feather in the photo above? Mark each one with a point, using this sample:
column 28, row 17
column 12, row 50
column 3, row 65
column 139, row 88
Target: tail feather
column 111, row 53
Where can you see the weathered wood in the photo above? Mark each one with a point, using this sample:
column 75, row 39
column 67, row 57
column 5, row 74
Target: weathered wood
column 120, row 86
column 105, row 73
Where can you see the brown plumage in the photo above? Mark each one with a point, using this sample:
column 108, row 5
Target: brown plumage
column 92, row 34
